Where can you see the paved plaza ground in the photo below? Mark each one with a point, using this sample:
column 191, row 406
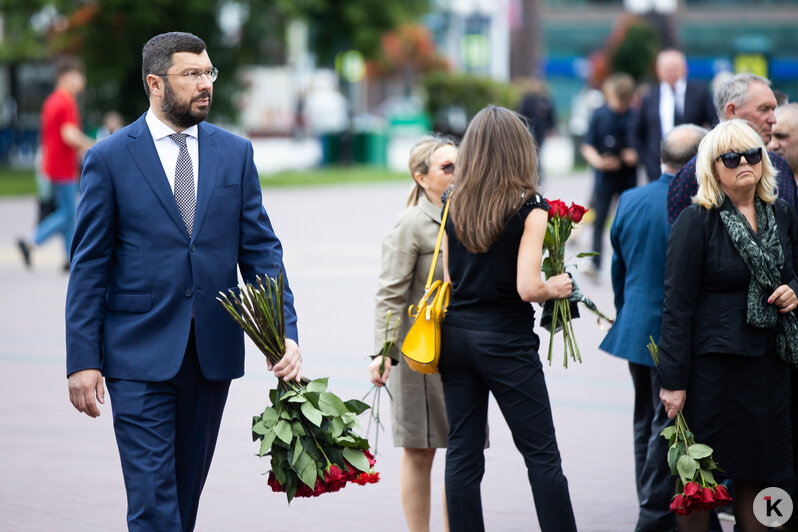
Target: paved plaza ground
column 60, row 471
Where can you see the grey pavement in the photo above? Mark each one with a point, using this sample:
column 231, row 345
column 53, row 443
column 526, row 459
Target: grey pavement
column 59, row 470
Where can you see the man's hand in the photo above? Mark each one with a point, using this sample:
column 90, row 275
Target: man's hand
column 84, row 385
column 374, row 370
column 290, row 366
column 673, row 400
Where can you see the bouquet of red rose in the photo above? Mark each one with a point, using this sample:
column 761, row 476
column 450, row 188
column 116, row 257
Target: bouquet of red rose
column 308, row 431
column 559, row 313
column 692, row 464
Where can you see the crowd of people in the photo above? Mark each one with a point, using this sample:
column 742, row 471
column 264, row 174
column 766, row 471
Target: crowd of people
column 703, row 260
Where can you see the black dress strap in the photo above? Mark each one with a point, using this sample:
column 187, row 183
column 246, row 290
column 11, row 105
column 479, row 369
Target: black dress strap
column 536, row 201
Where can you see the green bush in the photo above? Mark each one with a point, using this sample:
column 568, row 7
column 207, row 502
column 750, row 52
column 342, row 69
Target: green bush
column 637, row 51
column 466, row 91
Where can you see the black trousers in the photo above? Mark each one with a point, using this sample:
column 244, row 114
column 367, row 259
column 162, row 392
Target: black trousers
column 655, row 485
column 472, row 364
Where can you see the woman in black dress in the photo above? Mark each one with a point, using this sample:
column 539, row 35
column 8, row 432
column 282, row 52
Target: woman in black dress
column 492, row 255
column 728, row 331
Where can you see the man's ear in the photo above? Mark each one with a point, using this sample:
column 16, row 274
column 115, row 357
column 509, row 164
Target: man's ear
column 155, row 83
column 731, row 110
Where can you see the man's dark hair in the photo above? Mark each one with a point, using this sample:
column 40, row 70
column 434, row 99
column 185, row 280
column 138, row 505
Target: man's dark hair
column 67, row 63
column 681, row 144
column 156, row 56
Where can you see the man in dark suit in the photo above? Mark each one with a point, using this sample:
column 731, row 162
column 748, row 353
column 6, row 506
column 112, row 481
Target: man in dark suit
column 674, row 101
column 639, row 237
column 148, row 259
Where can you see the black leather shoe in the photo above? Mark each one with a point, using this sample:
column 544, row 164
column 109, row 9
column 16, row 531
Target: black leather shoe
column 24, row 248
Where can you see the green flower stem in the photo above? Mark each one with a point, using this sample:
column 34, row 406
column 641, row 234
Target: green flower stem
column 572, row 335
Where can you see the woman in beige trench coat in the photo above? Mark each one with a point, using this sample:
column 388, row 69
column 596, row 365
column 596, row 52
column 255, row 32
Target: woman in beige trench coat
column 418, row 413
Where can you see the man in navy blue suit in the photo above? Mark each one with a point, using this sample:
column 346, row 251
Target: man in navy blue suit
column 171, row 207
column 639, row 236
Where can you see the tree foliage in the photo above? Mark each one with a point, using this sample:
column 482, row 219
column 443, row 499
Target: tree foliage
column 109, row 34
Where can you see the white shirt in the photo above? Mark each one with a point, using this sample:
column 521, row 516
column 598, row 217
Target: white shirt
column 168, row 149
column 668, row 104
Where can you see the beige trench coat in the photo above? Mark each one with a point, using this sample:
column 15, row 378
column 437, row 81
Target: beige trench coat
column 418, row 412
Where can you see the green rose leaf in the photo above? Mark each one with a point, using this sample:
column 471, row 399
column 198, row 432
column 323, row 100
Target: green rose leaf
column 313, row 398
column 687, row 467
column 266, row 444
column 336, row 427
column 699, row 451
column 331, row 405
column 318, row 385
column 269, row 417
column 297, row 452
column 297, row 399
column 674, row 452
column 357, row 459
column 285, row 414
column 311, row 414
column 297, row 429
column 547, row 268
column 708, row 476
column 306, row 470
column 358, row 407
column 587, row 254
column 349, row 419
column 668, row 432
column 259, row 429
column 283, row 431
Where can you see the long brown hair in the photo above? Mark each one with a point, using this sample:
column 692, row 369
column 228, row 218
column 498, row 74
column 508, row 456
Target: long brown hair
column 419, row 161
column 496, row 169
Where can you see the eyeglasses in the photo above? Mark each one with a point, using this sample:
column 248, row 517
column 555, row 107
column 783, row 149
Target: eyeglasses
column 195, row 75
column 731, row 159
column 448, row 168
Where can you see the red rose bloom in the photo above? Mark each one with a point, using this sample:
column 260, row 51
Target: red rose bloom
column 576, row 212
column 562, row 210
column 273, row 484
column 370, row 457
column 679, row 505
column 721, row 495
column 553, row 208
column 707, row 499
column 690, row 489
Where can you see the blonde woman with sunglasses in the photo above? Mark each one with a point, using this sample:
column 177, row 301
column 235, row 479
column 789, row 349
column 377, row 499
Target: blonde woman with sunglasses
column 418, row 413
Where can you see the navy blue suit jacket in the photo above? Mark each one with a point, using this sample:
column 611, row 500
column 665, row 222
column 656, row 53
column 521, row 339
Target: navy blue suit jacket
column 136, row 274
column 647, row 129
column 639, row 237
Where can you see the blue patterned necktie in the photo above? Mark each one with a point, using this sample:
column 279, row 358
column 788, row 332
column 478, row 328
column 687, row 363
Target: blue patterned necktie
column 184, row 182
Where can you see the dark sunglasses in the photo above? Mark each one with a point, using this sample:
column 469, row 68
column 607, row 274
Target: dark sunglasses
column 731, row 159
column 448, row 168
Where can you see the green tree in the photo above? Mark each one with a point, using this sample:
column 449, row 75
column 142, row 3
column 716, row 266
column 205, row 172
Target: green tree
column 108, row 36
column 637, row 51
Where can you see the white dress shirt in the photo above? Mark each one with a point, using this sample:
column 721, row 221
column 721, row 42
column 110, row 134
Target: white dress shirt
column 168, row 149
column 670, row 99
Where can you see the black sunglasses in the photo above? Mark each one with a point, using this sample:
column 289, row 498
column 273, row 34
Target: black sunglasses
column 448, row 168
column 731, row 159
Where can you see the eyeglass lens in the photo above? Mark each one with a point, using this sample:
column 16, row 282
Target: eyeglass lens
column 732, row 159
column 448, row 168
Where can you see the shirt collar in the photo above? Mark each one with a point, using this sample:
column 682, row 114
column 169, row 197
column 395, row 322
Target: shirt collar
column 159, row 130
column 679, row 88
column 429, row 208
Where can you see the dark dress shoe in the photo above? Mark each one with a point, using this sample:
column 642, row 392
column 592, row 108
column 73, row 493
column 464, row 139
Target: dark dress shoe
column 24, row 248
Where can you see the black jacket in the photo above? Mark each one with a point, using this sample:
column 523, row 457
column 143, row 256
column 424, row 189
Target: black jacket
column 706, row 291
column 647, row 130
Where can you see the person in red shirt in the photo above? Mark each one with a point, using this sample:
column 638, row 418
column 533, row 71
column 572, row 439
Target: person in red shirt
column 62, row 143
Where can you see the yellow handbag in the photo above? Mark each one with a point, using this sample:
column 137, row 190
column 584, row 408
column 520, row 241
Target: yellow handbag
column 422, row 345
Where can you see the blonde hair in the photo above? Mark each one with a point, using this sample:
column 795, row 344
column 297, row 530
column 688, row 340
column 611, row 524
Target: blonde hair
column 419, row 161
column 731, row 135
column 496, row 169
column 620, row 85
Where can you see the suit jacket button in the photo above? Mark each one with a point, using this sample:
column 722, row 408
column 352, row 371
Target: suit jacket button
column 193, row 247
column 188, row 292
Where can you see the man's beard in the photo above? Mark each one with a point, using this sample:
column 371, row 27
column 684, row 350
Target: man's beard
column 180, row 113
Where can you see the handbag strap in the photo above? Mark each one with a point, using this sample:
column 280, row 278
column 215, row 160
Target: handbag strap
column 437, row 246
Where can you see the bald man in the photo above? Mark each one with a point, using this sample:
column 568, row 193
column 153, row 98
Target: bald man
column 784, row 139
column 675, row 101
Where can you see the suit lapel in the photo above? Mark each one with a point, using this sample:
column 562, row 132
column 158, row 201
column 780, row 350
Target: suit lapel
column 142, row 149
column 208, row 162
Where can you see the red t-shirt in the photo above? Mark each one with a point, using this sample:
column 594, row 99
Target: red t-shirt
column 59, row 161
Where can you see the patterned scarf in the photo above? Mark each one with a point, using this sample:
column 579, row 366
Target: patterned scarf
column 763, row 255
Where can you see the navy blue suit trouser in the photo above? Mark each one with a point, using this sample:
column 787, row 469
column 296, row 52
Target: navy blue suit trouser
column 472, row 364
column 166, row 433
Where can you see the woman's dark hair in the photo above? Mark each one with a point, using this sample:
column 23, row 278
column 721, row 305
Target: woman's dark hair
column 156, row 56
column 496, row 170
